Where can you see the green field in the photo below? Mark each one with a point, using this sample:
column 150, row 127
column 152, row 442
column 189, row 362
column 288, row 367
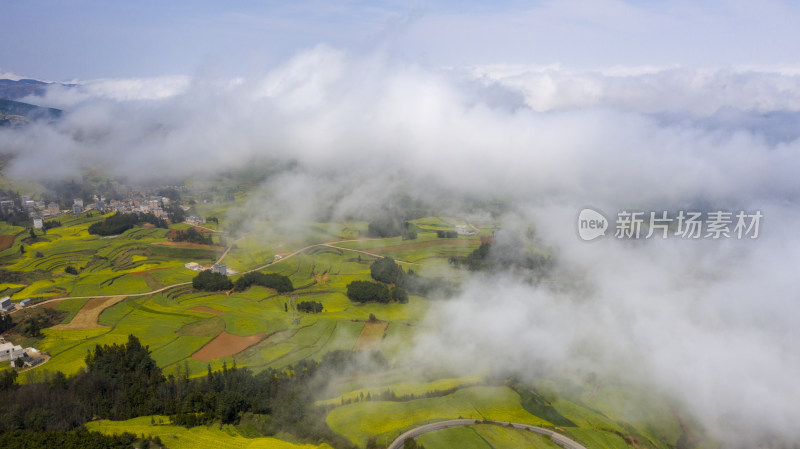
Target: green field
column 362, row 420
column 485, row 436
column 176, row 437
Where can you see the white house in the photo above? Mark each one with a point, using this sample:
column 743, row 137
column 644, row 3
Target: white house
column 193, row 266
column 38, row 223
column 25, row 302
column 6, row 304
column 77, row 206
column 220, row 268
column 10, row 351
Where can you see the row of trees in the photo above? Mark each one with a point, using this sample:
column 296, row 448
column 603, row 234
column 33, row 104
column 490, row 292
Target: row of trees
column 309, row 306
column 278, row 282
column 50, row 224
column 76, row 439
column 191, row 235
column 447, row 234
column 209, row 281
column 119, row 223
column 366, row 291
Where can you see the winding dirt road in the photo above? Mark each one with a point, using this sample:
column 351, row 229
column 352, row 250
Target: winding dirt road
column 218, row 261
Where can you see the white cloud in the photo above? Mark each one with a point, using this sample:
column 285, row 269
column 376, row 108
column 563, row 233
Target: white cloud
column 712, row 323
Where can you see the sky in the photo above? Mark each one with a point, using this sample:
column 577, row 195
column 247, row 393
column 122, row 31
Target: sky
column 88, row 39
column 549, row 106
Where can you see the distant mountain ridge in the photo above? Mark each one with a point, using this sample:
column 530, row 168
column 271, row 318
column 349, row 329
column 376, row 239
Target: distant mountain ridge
column 15, row 112
column 14, row 89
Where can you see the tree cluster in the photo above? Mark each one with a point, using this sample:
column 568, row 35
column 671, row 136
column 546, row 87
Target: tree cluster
column 6, row 322
column 11, row 277
column 175, row 212
column 171, row 193
column 278, row 282
column 34, row 320
column 113, row 225
column 75, row 439
column 191, row 235
column 51, row 224
column 119, row 223
column 508, row 256
column 387, row 227
column 366, row 291
column 123, row 381
column 476, row 260
column 386, row 270
column 211, row 282
column 410, row 443
column 428, row 287
column 447, row 234
column 120, row 382
column 15, row 217
column 153, row 220
column 309, row 307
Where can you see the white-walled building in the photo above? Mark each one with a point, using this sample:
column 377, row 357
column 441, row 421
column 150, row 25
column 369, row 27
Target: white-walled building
column 10, row 351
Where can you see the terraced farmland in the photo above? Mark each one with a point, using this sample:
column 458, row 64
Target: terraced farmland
column 114, row 295
column 362, row 420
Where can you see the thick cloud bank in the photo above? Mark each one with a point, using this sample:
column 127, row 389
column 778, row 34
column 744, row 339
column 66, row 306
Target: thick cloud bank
column 714, row 323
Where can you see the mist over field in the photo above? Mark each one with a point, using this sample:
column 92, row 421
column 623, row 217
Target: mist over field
column 713, row 324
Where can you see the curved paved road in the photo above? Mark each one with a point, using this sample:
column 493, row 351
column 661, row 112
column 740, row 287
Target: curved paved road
column 557, row 438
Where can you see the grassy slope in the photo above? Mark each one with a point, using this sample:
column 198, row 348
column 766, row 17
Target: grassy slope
column 485, row 436
column 362, row 420
column 176, row 437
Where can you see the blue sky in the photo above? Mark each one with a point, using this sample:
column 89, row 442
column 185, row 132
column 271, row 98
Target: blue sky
column 82, row 39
